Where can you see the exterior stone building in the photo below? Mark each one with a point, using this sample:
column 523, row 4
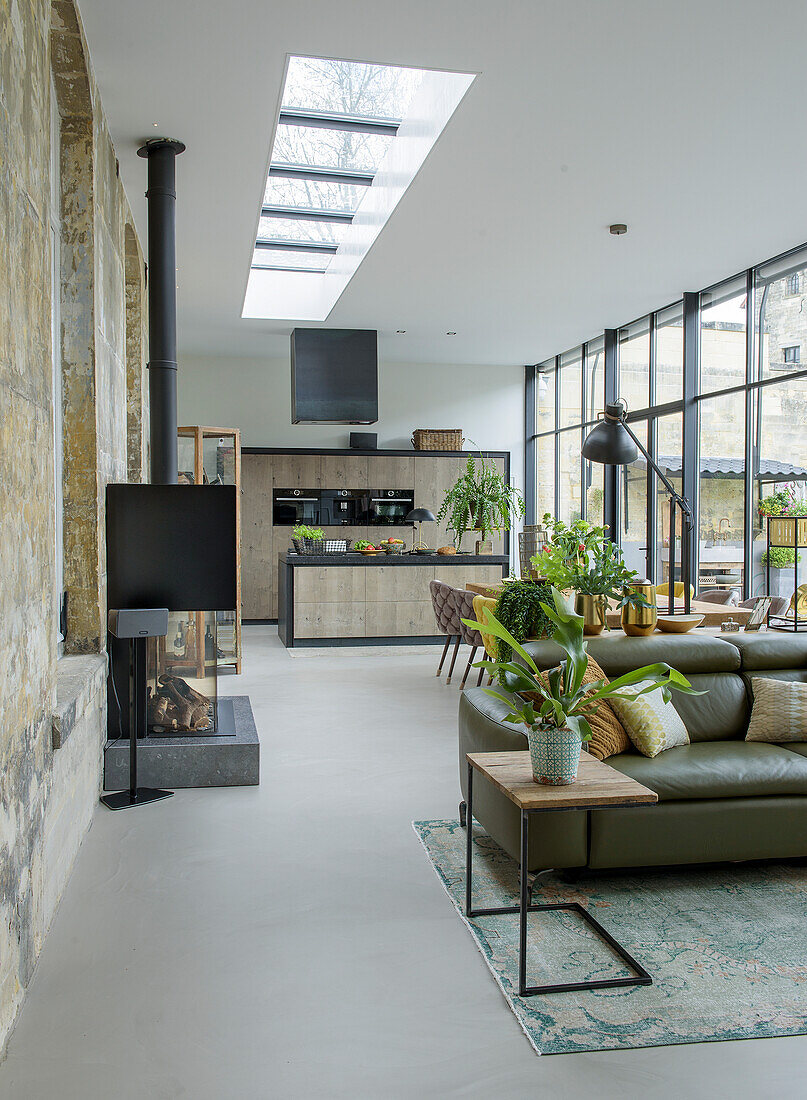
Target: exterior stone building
column 71, row 420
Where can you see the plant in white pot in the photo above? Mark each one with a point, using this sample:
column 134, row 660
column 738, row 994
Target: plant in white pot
column 556, row 723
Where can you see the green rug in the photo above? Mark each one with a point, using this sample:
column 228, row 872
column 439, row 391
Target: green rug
column 726, row 947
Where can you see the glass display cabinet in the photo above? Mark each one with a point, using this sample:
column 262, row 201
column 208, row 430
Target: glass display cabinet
column 212, row 456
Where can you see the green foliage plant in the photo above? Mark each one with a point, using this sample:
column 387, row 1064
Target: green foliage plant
column 481, row 500
column 563, row 698
column 301, row 531
column 581, row 557
column 779, row 557
column 519, row 608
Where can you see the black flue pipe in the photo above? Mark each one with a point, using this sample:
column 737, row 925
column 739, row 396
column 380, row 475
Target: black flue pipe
column 161, row 154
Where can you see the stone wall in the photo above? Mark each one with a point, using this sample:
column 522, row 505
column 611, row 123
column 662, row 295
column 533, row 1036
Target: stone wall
column 47, row 794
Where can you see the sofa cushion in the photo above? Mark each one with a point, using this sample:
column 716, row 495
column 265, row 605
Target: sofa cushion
column 718, row 769
column 652, row 724
column 797, row 747
column 770, row 649
column 779, row 712
column 616, row 653
column 721, row 713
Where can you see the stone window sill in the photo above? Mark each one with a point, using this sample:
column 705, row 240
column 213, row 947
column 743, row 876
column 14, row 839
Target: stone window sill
column 78, row 681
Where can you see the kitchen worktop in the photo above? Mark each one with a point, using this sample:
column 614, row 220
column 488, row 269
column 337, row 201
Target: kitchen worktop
column 354, row 558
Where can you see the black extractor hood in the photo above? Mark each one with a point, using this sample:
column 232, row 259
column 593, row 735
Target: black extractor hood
column 334, row 376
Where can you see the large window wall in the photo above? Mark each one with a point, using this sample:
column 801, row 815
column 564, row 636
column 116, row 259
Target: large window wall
column 716, row 389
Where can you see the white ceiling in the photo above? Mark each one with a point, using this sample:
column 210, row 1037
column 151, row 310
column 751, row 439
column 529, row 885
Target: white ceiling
column 685, row 120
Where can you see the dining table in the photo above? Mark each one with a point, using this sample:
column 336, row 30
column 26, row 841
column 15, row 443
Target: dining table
column 714, row 614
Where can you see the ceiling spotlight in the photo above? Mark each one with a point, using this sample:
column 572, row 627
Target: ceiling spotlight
column 451, row 334
column 155, row 124
column 618, row 229
column 400, row 331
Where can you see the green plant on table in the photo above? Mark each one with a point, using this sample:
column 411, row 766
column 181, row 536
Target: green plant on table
column 481, row 500
column 564, row 698
column 581, row 557
column 302, row 531
column 779, row 557
column 519, row 609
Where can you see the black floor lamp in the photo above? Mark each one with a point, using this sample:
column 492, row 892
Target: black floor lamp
column 613, row 443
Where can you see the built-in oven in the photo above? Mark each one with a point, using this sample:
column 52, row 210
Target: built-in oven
column 293, row 506
column 344, row 507
column 390, row 507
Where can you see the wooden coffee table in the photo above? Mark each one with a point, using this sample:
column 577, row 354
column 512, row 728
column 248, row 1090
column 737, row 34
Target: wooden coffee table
column 597, row 786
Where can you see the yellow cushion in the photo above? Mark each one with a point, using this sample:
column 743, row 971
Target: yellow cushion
column 608, row 736
column 650, row 723
column 779, row 713
column 480, row 604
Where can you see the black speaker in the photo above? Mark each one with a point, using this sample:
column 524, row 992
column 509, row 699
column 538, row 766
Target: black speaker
column 364, row 441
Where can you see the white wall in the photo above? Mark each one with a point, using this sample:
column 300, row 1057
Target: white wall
column 255, row 396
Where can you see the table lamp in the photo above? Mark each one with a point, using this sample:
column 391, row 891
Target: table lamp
column 612, row 442
column 419, row 516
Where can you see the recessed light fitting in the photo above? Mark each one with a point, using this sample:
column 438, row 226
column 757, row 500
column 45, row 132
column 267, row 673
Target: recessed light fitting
column 618, row 229
column 451, row 334
column 400, row 331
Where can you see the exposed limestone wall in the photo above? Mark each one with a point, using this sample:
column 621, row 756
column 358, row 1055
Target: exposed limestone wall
column 47, row 796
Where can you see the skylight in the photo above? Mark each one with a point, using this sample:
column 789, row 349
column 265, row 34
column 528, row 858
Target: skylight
column 350, row 138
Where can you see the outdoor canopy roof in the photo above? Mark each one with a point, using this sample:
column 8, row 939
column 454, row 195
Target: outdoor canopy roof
column 769, row 469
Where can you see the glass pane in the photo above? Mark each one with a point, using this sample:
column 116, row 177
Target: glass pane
column 633, row 508
column 634, row 365
column 595, row 374
column 780, row 467
column 721, row 493
column 571, row 391
column 670, row 354
column 329, row 148
column 312, row 194
column 594, row 474
column 317, row 261
column 781, row 293
column 186, row 449
column 669, row 436
column 545, row 397
column 350, row 87
column 218, row 460
column 723, row 329
column 290, row 229
column 545, row 476
column 569, row 508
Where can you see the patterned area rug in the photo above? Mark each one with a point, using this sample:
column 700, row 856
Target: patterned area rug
column 726, row 948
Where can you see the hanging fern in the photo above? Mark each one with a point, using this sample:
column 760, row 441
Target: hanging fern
column 519, row 610
column 481, row 500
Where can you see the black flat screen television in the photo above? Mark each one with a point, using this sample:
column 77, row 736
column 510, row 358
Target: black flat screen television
column 171, row 546
column 334, row 376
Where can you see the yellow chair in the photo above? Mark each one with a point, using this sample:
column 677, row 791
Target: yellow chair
column 798, row 604
column 664, row 589
column 482, row 604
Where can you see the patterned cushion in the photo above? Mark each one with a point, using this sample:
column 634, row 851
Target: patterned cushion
column 650, row 723
column 779, row 713
column 608, row 736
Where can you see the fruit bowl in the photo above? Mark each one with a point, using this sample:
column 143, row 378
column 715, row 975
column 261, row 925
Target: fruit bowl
column 679, row 624
column 372, row 553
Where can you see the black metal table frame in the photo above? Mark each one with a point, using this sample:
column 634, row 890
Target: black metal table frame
column 526, row 906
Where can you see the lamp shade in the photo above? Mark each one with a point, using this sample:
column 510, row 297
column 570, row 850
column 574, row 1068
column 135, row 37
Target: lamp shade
column 420, row 515
column 608, row 442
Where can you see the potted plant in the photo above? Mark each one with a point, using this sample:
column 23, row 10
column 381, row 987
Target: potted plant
column 519, row 609
column 581, row 558
column 556, row 723
column 305, row 538
column 480, row 500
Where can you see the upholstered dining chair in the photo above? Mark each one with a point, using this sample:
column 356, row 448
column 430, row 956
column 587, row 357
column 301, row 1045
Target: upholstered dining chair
column 778, row 609
column 447, row 619
column 664, row 589
column 464, row 602
column 720, row 595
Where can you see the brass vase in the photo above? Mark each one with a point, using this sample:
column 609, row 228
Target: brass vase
column 638, row 622
column 592, row 609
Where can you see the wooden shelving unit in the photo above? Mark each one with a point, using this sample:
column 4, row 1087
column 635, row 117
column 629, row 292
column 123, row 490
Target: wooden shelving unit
column 193, row 470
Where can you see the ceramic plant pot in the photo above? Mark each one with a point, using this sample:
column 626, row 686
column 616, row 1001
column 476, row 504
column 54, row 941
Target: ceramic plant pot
column 638, row 622
column 554, row 754
column 484, row 546
column 592, row 609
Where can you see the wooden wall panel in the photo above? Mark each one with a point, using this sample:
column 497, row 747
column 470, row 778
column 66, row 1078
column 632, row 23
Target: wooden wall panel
column 344, row 471
column 257, row 551
column 391, row 472
column 297, row 471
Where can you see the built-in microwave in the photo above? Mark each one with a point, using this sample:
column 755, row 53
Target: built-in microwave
column 389, row 507
column 293, row 506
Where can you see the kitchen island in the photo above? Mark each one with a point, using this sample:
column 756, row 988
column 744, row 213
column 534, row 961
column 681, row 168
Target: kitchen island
column 350, row 599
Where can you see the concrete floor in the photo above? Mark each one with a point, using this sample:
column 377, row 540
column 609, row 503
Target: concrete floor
column 291, row 941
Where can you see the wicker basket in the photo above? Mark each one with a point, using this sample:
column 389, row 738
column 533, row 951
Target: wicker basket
column 321, row 546
column 437, row 439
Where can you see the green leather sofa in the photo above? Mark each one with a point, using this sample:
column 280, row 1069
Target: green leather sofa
column 720, row 797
